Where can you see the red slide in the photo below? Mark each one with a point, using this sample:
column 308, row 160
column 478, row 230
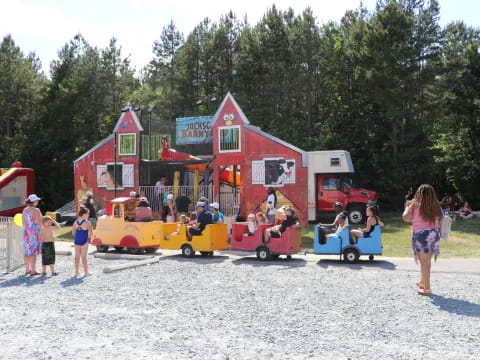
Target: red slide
column 16, row 184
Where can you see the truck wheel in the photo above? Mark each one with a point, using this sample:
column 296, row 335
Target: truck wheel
column 263, row 253
column 102, row 248
column 350, row 256
column 135, row 251
column 187, row 251
column 151, row 250
column 356, row 215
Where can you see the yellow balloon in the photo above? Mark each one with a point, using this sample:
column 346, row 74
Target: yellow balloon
column 18, row 220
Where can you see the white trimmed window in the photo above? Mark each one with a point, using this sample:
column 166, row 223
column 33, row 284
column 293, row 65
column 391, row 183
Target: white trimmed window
column 229, row 139
column 127, row 144
column 128, row 175
column 258, row 172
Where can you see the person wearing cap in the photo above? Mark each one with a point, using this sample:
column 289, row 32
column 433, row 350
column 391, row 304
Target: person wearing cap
column 169, row 210
column 326, row 229
column 32, row 223
column 144, row 212
column 204, row 199
column 90, row 205
column 217, row 216
column 204, row 218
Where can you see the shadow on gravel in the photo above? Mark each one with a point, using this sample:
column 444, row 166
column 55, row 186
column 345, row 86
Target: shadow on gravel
column 196, row 259
column 288, row 263
column 23, row 280
column 456, row 306
column 73, row 281
column 377, row 264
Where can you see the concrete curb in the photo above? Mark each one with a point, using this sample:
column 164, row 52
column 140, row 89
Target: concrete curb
column 129, row 265
column 112, row 256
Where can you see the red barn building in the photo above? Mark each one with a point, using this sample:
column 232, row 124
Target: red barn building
column 108, row 173
column 263, row 161
column 246, row 161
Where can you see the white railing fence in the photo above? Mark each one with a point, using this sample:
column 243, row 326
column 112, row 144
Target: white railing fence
column 11, row 245
column 229, row 197
column 156, row 196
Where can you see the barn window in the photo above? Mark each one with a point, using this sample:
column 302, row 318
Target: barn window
column 229, row 139
column 335, row 161
column 127, row 144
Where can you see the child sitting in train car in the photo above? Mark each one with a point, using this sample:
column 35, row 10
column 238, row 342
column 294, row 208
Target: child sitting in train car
column 183, row 220
column 288, row 219
column 252, row 225
column 261, row 219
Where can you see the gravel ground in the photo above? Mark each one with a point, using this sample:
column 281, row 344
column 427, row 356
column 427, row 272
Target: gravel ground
column 229, row 307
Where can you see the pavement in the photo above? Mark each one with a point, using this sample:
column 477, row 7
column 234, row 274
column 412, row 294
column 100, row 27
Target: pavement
column 443, row 265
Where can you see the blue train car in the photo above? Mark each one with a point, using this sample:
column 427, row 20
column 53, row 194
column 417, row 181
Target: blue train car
column 340, row 245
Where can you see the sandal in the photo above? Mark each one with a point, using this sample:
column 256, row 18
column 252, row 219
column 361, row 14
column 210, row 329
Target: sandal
column 424, row 292
column 34, row 273
column 420, row 285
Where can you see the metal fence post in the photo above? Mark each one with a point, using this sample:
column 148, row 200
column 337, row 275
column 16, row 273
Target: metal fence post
column 8, row 245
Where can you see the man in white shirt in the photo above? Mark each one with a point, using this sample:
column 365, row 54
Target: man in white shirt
column 271, row 205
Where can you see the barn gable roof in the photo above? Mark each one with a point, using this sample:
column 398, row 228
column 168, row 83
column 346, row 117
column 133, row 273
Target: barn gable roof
column 135, row 120
column 237, row 108
column 99, row 145
column 258, row 131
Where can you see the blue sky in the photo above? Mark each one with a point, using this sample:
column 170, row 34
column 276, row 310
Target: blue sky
column 44, row 26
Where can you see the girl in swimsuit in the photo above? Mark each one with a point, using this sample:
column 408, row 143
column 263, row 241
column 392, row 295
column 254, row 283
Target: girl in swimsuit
column 372, row 221
column 82, row 232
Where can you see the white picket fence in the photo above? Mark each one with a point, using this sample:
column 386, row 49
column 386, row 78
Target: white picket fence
column 11, row 245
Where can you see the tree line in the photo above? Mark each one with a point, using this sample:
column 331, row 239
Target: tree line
column 391, row 86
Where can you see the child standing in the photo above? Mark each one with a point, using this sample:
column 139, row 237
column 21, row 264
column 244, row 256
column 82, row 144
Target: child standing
column 82, row 232
column 48, row 244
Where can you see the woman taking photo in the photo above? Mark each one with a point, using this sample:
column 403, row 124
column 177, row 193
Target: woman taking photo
column 424, row 212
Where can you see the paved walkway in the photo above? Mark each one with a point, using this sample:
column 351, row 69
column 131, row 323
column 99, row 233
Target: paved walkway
column 443, row 265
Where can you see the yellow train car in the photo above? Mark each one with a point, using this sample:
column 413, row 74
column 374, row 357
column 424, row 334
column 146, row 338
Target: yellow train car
column 114, row 230
column 214, row 237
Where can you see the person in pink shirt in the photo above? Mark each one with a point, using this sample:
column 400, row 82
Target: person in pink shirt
column 424, row 212
column 144, row 212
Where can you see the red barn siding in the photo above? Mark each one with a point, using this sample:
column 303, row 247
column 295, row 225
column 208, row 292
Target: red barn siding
column 85, row 168
column 256, row 145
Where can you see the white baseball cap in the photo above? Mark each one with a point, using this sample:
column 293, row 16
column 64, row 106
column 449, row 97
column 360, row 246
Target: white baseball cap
column 132, row 193
column 200, row 203
column 33, row 197
column 215, row 205
column 170, row 197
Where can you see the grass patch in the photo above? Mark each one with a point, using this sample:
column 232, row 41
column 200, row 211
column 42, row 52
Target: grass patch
column 464, row 240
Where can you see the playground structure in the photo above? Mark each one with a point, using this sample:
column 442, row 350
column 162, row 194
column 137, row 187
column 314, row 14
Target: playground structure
column 235, row 178
column 15, row 185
